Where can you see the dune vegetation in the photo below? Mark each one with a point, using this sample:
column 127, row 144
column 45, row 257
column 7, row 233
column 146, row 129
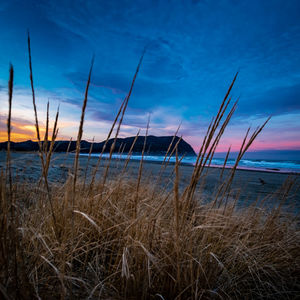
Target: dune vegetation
column 120, row 238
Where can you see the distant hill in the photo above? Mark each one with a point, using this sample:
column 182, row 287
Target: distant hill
column 155, row 145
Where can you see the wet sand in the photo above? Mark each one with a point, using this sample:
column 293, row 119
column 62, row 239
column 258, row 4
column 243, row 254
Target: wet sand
column 251, row 185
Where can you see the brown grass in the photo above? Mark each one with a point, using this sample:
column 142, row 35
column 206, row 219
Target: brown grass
column 117, row 238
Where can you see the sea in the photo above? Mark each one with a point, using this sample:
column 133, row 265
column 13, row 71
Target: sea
column 267, row 165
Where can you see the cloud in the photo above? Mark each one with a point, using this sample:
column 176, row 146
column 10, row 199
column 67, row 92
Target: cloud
column 276, row 101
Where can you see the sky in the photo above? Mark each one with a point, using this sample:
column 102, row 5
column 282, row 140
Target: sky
column 193, row 50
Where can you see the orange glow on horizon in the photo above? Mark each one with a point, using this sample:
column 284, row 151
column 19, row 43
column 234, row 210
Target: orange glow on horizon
column 21, row 133
column 17, row 137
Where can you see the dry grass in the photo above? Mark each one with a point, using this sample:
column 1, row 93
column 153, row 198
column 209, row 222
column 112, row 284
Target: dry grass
column 134, row 239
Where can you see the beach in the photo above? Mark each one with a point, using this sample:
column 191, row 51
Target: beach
column 249, row 186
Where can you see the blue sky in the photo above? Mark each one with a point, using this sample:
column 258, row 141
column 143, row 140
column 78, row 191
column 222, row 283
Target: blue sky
column 194, row 49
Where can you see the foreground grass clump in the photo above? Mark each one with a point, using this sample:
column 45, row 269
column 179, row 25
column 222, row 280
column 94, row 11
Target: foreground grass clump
column 104, row 250
column 92, row 237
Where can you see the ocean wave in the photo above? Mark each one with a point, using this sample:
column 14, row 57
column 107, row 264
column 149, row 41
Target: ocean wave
column 259, row 164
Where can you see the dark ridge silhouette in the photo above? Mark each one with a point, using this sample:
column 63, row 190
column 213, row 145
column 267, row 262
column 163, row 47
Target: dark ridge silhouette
column 155, row 145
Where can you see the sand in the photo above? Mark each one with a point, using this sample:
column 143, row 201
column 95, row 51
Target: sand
column 251, row 185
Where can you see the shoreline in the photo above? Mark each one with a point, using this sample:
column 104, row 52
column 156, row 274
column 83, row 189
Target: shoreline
column 253, row 169
column 213, row 166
